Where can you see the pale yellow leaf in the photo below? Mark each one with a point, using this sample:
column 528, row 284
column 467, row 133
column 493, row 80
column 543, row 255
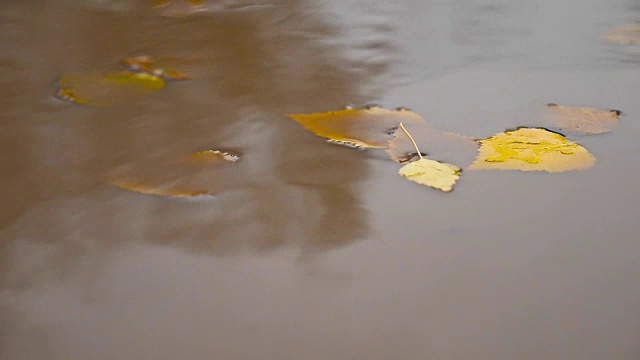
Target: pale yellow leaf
column 441, row 176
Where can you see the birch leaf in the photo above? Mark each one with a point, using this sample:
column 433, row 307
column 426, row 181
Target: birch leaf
column 364, row 128
column 101, row 89
column 176, row 177
column 531, row 149
column 582, row 120
column 441, row 176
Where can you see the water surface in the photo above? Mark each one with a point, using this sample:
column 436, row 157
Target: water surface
column 314, row 251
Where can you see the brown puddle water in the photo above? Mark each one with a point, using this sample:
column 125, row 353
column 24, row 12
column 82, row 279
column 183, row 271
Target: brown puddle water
column 315, row 251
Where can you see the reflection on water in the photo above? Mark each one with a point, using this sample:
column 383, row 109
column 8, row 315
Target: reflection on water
column 311, row 251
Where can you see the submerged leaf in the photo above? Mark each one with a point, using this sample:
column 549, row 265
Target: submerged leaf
column 531, row 149
column 364, row 128
column 441, row 145
column 106, row 88
column 582, row 120
column 177, row 177
column 441, row 176
column 162, row 67
column 625, row 35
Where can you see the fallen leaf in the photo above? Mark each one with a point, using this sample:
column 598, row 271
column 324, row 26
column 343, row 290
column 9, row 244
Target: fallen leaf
column 362, row 128
column 625, row 35
column 582, row 120
column 441, row 176
column 441, row 145
column 163, row 67
column 106, row 88
column 176, row 177
column 531, row 149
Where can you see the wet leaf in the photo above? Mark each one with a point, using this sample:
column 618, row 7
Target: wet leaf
column 625, row 35
column 531, row 149
column 177, row 177
column 441, row 176
column 441, row 145
column 106, row 88
column 163, row 67
column 363, row 128
column 582, row 120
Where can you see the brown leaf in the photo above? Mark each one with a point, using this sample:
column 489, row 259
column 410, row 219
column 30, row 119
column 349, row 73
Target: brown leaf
column 582, row 120
column 366, row 128
column 175, row 177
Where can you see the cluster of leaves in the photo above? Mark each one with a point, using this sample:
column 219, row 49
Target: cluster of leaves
column 143, row 75
column 431, row 157
column 524, row 148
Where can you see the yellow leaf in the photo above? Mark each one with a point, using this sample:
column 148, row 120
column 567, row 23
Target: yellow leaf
column 106, row 88
column 531, row 149
column 364, row 128
column 431, row 173
column 582, row 120
column 625, row 35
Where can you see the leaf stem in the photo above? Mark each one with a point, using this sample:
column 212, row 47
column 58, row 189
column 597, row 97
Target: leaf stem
column 412, row 141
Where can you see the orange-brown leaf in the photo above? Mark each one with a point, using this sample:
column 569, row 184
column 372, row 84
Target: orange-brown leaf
column 582, row 120
column 367, row 128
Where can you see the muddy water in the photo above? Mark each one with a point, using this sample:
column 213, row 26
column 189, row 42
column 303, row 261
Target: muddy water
column 314, row 251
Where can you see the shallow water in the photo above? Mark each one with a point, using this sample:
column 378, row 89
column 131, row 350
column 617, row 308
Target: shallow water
column 314, row 251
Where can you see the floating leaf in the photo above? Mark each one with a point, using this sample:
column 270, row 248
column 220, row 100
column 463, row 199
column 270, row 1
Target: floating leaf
column 212, row 156
column 176, row 177
column 582, row 120
column 106, row 88
column 531, row 149
column 442, row 145
column 625, row 35
column 162, row 67
column 441, row 176
column 364, row 128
